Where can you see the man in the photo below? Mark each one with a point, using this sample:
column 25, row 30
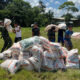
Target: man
column 67, row 38
column 5, row 36
column 60, row 36
column 51, row 34
column 35, row 30
column 17, row 30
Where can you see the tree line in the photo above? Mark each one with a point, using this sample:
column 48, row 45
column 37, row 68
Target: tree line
column 21, row 12
column 24, row 14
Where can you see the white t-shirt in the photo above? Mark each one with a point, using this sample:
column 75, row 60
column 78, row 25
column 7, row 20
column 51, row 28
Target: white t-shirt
column 18, row 34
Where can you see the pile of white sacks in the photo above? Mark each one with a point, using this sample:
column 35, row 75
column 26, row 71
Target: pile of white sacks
column 38, row 53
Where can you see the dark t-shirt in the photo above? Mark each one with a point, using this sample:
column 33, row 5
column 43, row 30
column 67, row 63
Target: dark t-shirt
column 61, row 32
column 51, row 34
column 35, row 31
column 4, row 33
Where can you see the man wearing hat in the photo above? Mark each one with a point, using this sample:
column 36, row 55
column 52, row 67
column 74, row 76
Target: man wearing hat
column 35, row 30
column 5, row 36
column 67, row 38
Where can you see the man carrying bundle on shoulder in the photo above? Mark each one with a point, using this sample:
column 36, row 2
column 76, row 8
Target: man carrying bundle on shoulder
column 5, row 36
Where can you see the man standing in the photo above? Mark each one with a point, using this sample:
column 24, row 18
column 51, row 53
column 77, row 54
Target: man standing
column 35, row 30
column 17, row 30
column 67, row 38
column 5, row 36
column 60, row 36
column 51, row 34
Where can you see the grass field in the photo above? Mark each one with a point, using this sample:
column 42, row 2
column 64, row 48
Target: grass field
column 70, row 74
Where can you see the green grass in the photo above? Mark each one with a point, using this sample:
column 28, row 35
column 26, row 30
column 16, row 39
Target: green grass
column 70, row 74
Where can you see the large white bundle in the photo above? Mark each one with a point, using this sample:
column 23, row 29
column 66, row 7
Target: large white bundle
column 26, row 65
column 36, row 51
column 24, row 55
column 12, row 52
column 63, row 52
column 35, row 62
column 72, row 65
column 59, row 64
column 27, row 43
column 50, row 26
column 9, row 28
column 55, row 44
column 6, row 54
column 11, row 65
column 7, row 22
column 47, row 61
column 76, row 35
column 73, row 59
column 62, row 26
column 1, row 56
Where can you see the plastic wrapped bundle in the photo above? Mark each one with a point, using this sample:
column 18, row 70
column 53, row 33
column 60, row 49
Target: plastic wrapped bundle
column 27, row 43
column 76, row 35
column 25, row 64
column 7, row 22
column 72, row 59
column 50, row 26
column 62, row 26
column 59, row 64
column 9, row 28
column 35, row 62
column 47, row 61
column 11, row 65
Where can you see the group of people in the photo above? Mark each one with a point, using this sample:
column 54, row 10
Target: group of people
column 64, row 36
column 65, row 39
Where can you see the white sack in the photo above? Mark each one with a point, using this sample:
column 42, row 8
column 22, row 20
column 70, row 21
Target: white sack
column 73, row 59
column 47, row 61
column 35, row 62
column 25, row 64
column 62, row 26
column 59, row 64
column 7, row 22
column 11, row 65
column 76, row 35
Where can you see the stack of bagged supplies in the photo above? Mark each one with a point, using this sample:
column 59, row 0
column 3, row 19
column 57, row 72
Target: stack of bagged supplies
column 38, row 53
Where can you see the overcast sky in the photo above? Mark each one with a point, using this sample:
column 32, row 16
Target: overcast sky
column 54, row 4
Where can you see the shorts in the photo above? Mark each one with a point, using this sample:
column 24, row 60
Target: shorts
column 18, row 39
column 68, row 44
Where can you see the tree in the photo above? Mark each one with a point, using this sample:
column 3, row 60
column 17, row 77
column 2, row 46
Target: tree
column 69, row 7
column 41, row 6
column 4, row 3
column 20, row 12
column 50, row 16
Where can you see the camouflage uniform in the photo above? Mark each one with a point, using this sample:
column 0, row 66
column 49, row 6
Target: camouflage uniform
column 6, row 38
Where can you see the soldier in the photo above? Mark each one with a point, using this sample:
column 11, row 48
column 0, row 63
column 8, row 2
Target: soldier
column 5, row 36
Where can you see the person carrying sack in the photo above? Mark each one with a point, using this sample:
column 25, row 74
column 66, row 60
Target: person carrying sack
column 6, row 37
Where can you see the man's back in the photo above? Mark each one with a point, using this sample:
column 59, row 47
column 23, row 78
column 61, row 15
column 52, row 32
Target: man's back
column 36, row 31
column 61, row 32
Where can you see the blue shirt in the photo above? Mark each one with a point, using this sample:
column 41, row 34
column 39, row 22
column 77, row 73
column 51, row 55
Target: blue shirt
column 68, row 33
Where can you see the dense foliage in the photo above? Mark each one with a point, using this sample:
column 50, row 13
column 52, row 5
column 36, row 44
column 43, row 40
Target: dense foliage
column 69, row 7
column 21, row 12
